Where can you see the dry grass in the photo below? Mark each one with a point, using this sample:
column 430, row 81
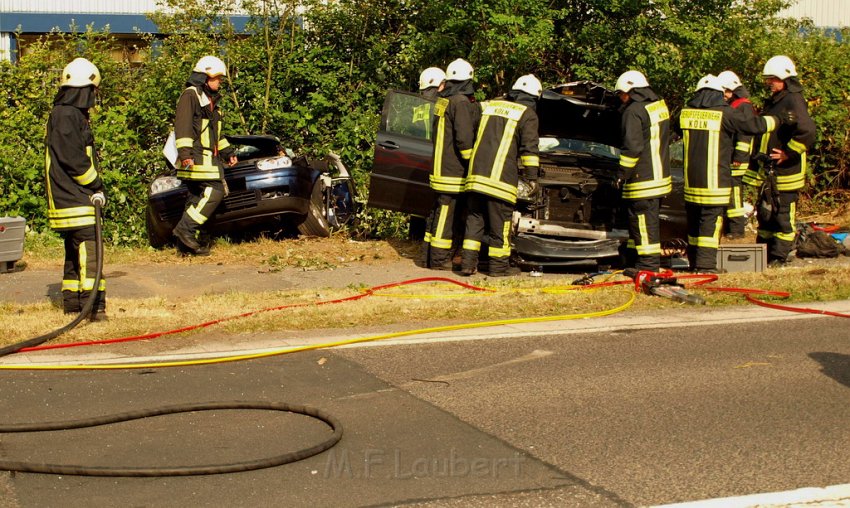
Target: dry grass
column 413, row 307
column 46, row 251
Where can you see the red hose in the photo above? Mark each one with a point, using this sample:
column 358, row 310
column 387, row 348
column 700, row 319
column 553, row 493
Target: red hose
column 698, row 280
column 154, row 335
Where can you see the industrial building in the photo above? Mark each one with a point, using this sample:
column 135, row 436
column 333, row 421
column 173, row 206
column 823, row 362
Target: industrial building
column 25, row 20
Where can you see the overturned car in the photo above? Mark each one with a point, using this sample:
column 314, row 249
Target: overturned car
column 578, row 220
column 268, row 188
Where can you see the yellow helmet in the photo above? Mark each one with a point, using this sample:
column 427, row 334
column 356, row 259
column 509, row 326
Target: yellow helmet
column 80, row 73
column 211, row 66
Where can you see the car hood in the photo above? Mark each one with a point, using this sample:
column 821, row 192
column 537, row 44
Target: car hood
column 580, row 110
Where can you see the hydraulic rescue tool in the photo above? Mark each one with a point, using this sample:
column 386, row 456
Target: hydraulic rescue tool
column 662, row 284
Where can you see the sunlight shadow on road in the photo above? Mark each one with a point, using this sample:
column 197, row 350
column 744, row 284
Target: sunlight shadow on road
column 834, row 365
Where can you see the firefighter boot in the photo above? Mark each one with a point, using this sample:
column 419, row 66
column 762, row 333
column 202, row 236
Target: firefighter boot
column 71, row 302
column 441, row 259
column 469, row 262
column 98, row 311
column 500, row 267
column 205, row 240
column 185, row 234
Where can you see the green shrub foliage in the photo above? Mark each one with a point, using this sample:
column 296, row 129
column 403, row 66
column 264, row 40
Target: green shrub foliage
column 315, row 73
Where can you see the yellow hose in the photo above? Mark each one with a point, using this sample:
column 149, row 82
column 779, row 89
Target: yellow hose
column 284, row 351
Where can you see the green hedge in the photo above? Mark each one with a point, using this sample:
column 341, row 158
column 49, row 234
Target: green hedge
column 318, row 79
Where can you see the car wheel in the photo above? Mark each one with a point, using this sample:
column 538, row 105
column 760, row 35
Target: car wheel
column 155, row 238
column 316, row 222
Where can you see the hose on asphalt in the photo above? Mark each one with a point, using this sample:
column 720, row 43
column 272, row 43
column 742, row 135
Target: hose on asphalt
column 208, row 469
column 192, row 470
column 87, row 308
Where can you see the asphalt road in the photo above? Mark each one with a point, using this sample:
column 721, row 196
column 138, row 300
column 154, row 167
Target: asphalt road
column 605, row 419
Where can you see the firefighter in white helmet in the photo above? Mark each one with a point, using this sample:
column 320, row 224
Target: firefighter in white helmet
column 737, row 95
column 644, row 171
column 456, row 117
column 506, row 148
column 201, row 150
column 431, row 82
column 74, row 186
column 710, row 127
column 784, row 152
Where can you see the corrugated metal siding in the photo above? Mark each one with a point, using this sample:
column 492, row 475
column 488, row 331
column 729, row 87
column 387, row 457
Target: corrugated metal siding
column 824, row 13
column 98, row 6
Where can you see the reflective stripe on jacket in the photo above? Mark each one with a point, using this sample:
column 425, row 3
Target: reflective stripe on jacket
column 795, row 140
column 709, row 135
column 645, row 157
column 743, row 142
column 455, row 121
column 507, row 137
column 71, row 169
column 197, row 127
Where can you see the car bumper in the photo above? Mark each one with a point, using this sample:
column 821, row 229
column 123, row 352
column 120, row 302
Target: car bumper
column 250, row 200
column 546, row 251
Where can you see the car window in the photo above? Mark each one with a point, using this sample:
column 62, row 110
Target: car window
column 550, row 144
column 409, row 115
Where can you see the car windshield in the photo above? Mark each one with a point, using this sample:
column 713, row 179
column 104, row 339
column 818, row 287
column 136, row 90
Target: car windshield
column 575, row 146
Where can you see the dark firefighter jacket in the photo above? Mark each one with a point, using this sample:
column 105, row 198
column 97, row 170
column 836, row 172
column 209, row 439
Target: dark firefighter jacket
column 456, row 117
column 743, row 142
column 795, row 140
column 197, row 127
column 709, row 125
column 644, row 157
column 72, row 174
column 507, row 137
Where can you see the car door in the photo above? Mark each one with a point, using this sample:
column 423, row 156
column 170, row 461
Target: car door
column 403, row 154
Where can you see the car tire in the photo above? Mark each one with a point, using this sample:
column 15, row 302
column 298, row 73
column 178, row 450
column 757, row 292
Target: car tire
column 316, row 221
column 155, row 238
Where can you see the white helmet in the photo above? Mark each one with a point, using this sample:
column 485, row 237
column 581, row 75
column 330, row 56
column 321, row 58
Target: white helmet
column 211, row 66
column 529, row 84
column 629, row 80
column 729, row 80
column 779, row 66
column 710, row 82
column 432, row 76
column 79, row 73
column 459, row 70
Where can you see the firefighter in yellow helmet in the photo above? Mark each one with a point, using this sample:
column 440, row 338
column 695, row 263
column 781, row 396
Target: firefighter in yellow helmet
column 201, row 150
column 506, row 146
column 74, row 185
